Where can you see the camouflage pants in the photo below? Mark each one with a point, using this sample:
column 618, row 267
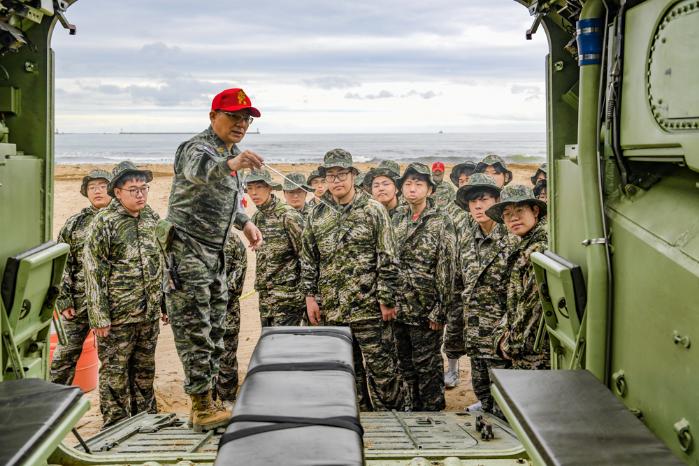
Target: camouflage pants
column 420, row 362
column 281, row 308
column 127, row 370
column 480, row 379
column 379, row 383
column 454, row 346
column 66, row 357
column 196, row 312
column 227, row 381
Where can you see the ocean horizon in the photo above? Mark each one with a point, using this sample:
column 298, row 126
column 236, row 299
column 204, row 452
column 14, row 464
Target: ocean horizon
column 160, row 147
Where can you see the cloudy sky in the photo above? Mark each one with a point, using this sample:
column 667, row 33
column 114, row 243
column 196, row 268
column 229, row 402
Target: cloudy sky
column 310, row 66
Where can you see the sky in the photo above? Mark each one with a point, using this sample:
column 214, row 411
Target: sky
column 310, row 66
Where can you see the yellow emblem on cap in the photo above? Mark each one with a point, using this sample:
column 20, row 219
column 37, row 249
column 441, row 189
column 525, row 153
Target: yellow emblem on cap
column 241, row 97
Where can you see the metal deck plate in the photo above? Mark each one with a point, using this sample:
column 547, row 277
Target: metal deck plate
column 387, row 436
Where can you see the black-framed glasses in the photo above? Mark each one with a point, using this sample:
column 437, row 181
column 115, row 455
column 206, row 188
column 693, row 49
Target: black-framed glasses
column 134, row 192
column 341, row 176
column 238, row 117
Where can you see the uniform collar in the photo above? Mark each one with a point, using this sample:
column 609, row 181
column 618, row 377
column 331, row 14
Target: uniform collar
column 269, row 205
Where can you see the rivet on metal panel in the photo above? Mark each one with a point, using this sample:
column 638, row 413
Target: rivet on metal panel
column 558, row 66
column 684, row 435
column 619, row 382
column 681, row 340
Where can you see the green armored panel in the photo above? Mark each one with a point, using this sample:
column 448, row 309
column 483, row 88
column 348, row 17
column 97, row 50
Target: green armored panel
column 655, row 343
column 660, row 87
column 21, row 205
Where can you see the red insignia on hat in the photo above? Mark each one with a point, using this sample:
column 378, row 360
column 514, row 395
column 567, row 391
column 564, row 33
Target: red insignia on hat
column 233, row 100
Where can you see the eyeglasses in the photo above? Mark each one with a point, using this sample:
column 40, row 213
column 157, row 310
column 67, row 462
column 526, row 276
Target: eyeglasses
column 339, row 177
column 514, row 212
column 238, row 117
column 95, row 188
column 134, row 192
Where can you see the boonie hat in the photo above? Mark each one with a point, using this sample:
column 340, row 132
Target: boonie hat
column 337, row 158
column 477, row 182
column 543, row 168
column 124, row 169
column 233, row 100
column 492, row 159
column 294, row 181
column 420, row 169
column 515, row 194
column 94, row 175
column 387, row 168
column 540, row 186
column 463, row 167
column 314, row 174
column 265, row 176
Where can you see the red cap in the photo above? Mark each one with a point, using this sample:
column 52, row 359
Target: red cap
column 232, row 100
column 438, row 167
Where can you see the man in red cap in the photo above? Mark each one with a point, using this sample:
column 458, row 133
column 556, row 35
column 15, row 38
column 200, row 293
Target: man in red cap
column 205, row 202
column 444, row 194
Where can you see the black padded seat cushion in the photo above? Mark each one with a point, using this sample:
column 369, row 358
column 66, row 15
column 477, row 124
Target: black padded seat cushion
column 29, row 409
column 573, row 419
column 297, row 404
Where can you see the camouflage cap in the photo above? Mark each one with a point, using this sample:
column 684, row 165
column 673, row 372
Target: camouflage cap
column 123, row 169
column 387, row 168
column 492, row 159
column 463, row 167
column 265, row 176
column 515, row 194
column 479, row 182
column 419, row 169
column 294, row 181
column 314, row 174
column 94, row 175
column 543, row 168
column 336, row 158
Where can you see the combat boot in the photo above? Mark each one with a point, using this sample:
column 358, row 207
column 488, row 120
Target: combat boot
column 206, row 414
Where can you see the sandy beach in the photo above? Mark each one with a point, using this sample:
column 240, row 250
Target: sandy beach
column 169, row 375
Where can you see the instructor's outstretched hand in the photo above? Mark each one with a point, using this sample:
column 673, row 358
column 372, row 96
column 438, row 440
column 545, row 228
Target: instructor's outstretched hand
column 246, row 159
column 254, row 235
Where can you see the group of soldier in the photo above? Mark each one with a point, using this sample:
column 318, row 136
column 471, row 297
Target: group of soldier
column 396, row 257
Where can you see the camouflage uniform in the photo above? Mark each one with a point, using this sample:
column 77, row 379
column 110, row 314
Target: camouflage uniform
column 236, row 266
column 294, row 181
column 443, row 194
column 72, row 295
column 65, row 357
column 454, row 345
column 519, row 326
column 483, row 265
column 204, row 203
column 426, row 249
column 123, row 279
column 278, row 269
column 349, row 261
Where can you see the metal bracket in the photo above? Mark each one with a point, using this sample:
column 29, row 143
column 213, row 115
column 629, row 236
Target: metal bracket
column 592, row 241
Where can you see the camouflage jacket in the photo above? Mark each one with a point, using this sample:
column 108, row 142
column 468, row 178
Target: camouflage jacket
column 426, row 251
column 74, row 233
column 520, row 323
column 306, row 210
column 349, row 259
column 236, row 263
column 444, row 194
column 123, row 267
column 463, row 222
column 205, row 196
column 278, row 259
column 484, row 270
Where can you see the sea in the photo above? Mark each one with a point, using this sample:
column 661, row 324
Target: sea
column 73, row 148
